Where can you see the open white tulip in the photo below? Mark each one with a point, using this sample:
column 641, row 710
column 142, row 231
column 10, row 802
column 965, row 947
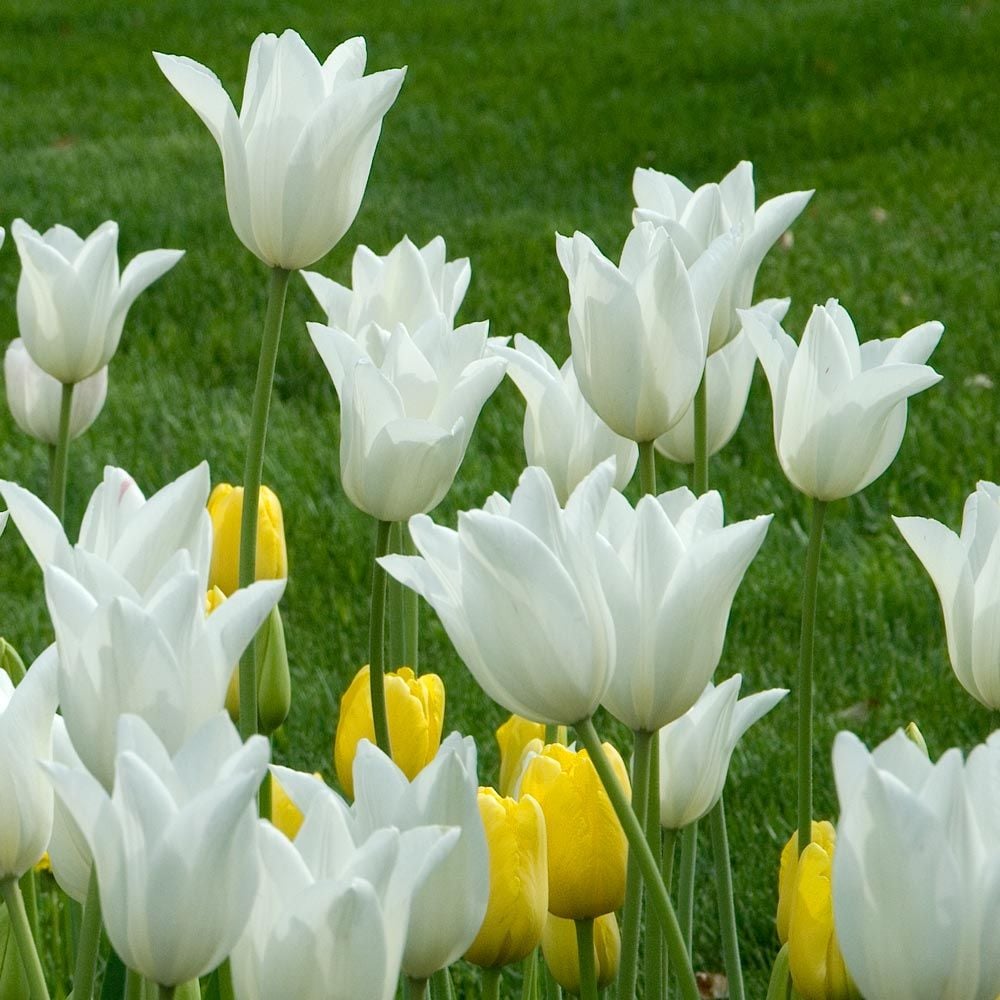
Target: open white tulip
column 71, row 301
column 174, row 845
column 916, row 872
column 562, row 433
column 297, row 157
column 695, row 218
column 839, row 406
column 639, row 330
column 695, row 749
column 965, row 570
column 683, row 568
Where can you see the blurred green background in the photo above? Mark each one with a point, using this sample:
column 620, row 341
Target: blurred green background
column 519, row 119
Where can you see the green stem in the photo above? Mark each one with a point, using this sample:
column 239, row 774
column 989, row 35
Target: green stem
column 226, row 981
column 700, row 471
column 21, row 930
column 667, row 867
column 60, row 462
column 89, row 942
column 411, row 609
column 376, row 641
column 529, row 977
column 265, row 796
column 442, row 986
column 491, row 984
column 658, row 898
column 810, row 584
column 167, row 992
column 416, row 988
column 133, row 985
column 726, row 903
column 647, row 468
column 632, row 911
column 396, row 619
column 253, row 470
column 685, row 884
column 29, row 890
column 585, row 956
column 654, row 937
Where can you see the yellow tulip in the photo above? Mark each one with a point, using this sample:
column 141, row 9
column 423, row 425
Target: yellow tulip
column 587, row 845
column 563, row 959
column 225, row 506
column 805, row 918
column 519, row 880
column 514, row 737
column 415, row 708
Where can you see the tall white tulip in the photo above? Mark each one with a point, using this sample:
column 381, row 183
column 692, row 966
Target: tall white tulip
column 562, row 433
column 297, row 156
column 839, row 406
column 71, row 300
column 695, row 218
column 916, row 872
column 639, row 330
column 965, row 570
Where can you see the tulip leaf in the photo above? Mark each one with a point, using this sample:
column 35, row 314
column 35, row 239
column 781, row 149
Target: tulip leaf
column 13, row 979
column 780, row 986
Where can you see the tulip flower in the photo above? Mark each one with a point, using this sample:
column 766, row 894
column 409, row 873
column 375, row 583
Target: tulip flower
column 71, row 301
column 839, row 406
column 415, row 707
column 683, row 568
column 695, row 749
column 562, row 433
column 559, row 946
column 963, row 569
column 297, row 157
column 639, row 330
column 26, row 714
column 916, row 873
column 34, row 397
column 519, row 884
column 530, row 569
column 514, row 738
column 407, row 286
column 225, row 507
column 407, row 419
column 173, row 844
column 695, row 218
column 69, row 852
column 586, row 843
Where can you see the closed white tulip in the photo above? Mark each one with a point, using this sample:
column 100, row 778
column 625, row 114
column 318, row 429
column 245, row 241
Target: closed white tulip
column 297, row 156
column 683, row 567
column 639, row 329
column 839, row 406
column 916, row 872
column 965, row 570
column 695, row 749
column 695, row 218
column 71, row 300
column 562, row 433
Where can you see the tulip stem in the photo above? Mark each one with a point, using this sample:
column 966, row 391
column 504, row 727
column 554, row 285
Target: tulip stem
column 654, row 936
column 167, row 992
column 647, row 468
column 264, row 794
column 60, row 461
column 22, row 935
column 29, row 890
column 442, row 986
column 133, row 985
column 726, row 903
column 411, row 609
column 699, row 478
column 416, row 989
column 88, row 942
column 667, row 867
column 376, row 641
column 396, row 612
column 632, row 912
column 491, row 984
column 658, row 897
column 810, row 585
column 685, row 882
column 226, row 981
column 253, row 470
column 585, row 956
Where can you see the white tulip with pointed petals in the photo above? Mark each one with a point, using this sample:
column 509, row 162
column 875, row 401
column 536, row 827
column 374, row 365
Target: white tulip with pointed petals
column 71, row 301
column 965, row 570
column 174, row 844
column 297, row 157
column 695, row 218
column 683, row 568
column 839, row 406
column 695, row 749
column 639, row 329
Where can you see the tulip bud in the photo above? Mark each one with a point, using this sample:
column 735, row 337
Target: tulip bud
column 563, row 958
column 225, row 506
column 915, row 736
column 415, row 709
column 805, row 918
column 587, row 846
column 513, row 738
column 274, row 683
column 11, row 662
column 515, row 915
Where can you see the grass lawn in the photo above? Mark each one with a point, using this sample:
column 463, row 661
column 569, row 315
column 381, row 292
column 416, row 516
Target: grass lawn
column 518, row 119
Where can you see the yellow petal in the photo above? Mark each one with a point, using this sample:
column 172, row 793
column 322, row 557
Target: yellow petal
column 824, row 834
column 560, row 950
column 225, row 507
column 513, row 737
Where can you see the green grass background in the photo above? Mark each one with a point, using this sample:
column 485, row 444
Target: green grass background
column 518, row 119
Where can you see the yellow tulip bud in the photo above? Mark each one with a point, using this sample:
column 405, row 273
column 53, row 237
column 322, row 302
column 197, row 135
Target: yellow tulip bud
column 513, row 738
column 587, row 845
column 563, row 959
column 519, row 881
column 805, row 918
column 225, row 506
column 415, row 709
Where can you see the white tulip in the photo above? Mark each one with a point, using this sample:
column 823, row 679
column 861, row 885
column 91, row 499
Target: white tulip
column 69, row 852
